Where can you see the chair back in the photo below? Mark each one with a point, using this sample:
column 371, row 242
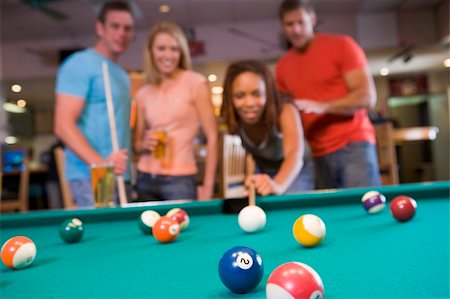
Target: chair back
column 233, row 166
column 66, row 194
column 21, row 203
column 387, row 156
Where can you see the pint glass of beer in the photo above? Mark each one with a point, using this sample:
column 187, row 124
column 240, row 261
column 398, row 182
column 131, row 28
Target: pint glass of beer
column 160, row 149
column 103, row 184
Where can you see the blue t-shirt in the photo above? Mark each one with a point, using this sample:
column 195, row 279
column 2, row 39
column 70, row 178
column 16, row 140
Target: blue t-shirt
column 81, row 75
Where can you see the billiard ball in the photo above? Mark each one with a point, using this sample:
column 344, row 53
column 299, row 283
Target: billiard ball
column 241, row 269
column 181, row 216
column 309, row 230
column 294, row 280
column 403, row 208
column 147, row 220
column 71, row 230
column 373, row 201
column 166, row 229
column 252, row 219
column 18, row 252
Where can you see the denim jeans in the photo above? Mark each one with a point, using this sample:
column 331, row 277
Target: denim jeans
column 353, row 166
column 305, row 180
column 82, row 193
column 162, row 187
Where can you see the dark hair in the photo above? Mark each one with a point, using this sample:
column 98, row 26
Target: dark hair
column 290, row 5
column 274, row 100
column 113, row 5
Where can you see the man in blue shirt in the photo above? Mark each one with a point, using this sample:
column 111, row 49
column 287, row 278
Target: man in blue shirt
column 81, row 117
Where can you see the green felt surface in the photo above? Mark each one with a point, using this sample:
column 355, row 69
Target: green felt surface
column 362, row 255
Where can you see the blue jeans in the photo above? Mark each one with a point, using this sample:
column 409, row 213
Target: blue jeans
column 353, row 166
column 163, row 187
column 305, row 180
column 82, row 193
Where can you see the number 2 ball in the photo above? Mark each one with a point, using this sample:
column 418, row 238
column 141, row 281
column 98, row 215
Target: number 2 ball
column 294, row 280
column 18, row 252
column 241, row 269
column 403, row 208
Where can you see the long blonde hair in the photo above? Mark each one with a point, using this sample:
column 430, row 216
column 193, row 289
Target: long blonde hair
column 151, row 71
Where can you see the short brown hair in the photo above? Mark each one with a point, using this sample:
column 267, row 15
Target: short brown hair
column 113, row 5
column 274, row 102
column 290, row 5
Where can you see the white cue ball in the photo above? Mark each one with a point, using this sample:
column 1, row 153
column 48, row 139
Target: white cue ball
column 252, row 219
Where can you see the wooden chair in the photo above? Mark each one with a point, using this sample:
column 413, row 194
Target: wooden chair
column 233, row 166
column 66, row 195
column 21, row 203
column 387, row 156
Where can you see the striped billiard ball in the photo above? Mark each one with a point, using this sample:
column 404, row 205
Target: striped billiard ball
column 373, row 201
column 18, row 252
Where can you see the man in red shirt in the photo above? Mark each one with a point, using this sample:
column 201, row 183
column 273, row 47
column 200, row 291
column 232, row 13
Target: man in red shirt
column 329, row 79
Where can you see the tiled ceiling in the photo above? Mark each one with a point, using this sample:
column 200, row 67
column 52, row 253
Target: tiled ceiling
column 45, row 19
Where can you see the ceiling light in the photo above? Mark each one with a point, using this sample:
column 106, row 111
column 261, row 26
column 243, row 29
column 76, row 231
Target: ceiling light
column 16, row 88
column 384, row 71
column 447, row 62
column 217, row 90
column 164, row 8
column 212, row 78
column 13, row 108
column 21, row 103
column 10, row 140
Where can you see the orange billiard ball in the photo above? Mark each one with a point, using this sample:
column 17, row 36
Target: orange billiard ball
column 166, row 229
column 18, row 252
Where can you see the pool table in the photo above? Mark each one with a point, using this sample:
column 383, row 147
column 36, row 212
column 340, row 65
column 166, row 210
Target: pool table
column 362, row 256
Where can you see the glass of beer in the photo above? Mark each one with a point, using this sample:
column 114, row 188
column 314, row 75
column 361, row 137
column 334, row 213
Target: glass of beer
column 103, row 184
column 160, row 149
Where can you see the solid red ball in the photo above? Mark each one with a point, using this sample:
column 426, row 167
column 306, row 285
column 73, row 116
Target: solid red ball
column 403, row 208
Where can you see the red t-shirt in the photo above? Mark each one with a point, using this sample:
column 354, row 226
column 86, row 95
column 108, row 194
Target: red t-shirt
column 318, row 74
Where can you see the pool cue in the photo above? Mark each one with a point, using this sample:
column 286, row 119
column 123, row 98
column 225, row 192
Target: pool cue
column 112, row 124
column 250, row 167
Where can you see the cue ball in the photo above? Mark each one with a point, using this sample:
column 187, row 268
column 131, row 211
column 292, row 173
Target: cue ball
column 294, row 280
column 309, row 230
column 181, row 216
column 18, row 252
column 147, row 220
column 373, row 201
column 403, row 208
column 241, row 269
column 252, row 219
column 71, row 230
column 166, row 229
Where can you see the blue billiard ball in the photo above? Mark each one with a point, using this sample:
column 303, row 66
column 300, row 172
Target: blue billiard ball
column 241, row 269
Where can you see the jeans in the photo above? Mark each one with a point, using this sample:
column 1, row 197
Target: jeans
column 353, row 166
column 162, row 187
column 305, row 180
column 82, row 193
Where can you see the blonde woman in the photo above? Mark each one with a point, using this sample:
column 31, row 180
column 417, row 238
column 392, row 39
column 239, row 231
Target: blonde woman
column 172, row 106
